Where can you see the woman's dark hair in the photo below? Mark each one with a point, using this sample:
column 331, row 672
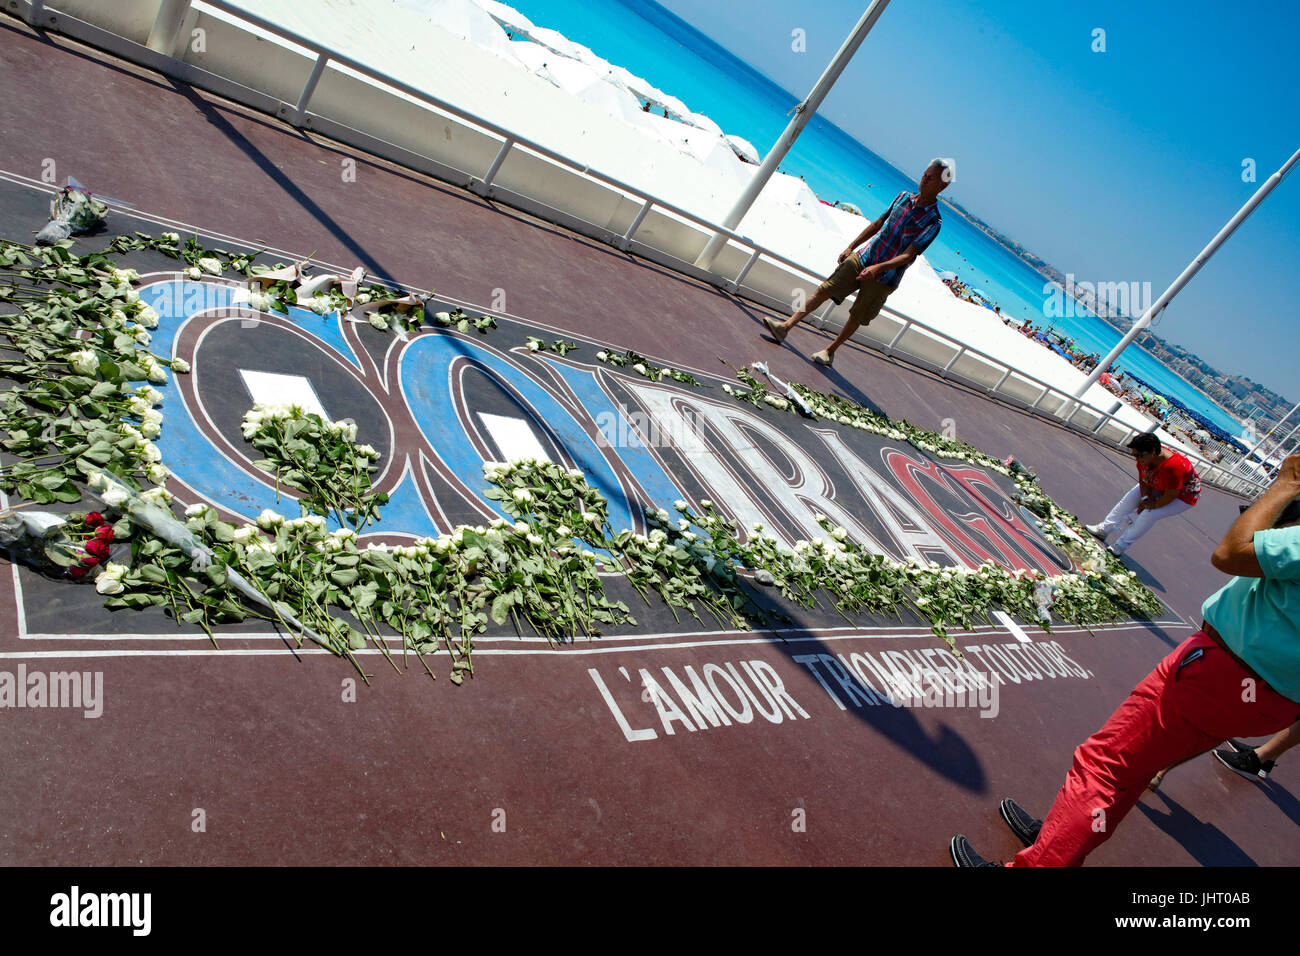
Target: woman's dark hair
column 1290, row 514
column 1146, row 444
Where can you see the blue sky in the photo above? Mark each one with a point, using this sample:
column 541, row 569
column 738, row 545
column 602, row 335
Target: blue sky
column 1116, row 166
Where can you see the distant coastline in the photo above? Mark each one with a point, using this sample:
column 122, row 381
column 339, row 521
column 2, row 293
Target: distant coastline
column 1237, row 395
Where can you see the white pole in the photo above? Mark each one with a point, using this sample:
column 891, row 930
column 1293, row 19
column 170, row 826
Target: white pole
column 1275, row 427
column 1269, row 185
column 802, row 114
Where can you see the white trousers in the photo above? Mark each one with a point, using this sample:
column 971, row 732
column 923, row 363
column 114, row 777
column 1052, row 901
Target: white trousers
column 1124, row 517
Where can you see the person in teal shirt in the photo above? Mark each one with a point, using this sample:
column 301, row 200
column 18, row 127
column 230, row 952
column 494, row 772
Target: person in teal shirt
column 1239, row 676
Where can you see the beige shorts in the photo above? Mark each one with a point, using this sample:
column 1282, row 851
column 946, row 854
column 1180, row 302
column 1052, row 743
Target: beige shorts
column 843, row 282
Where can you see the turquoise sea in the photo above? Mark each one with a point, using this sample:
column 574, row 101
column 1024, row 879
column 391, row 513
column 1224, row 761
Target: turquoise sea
column 652, row 42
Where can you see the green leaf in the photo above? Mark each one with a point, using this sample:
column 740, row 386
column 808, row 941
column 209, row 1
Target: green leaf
column 344, row 577
column 501, row 606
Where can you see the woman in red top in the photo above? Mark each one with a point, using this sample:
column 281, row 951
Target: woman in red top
column 1167, row 485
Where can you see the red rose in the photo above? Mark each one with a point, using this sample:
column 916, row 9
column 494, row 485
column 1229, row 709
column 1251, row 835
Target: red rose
column 94, row 519
column 97, row 547
column 77, row 571
column 104, row 532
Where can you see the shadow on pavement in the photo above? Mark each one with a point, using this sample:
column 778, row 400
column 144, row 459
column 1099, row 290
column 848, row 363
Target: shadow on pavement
column 1207, row 844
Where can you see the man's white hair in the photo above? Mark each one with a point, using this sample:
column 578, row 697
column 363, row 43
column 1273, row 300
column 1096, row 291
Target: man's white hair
column 949, row 168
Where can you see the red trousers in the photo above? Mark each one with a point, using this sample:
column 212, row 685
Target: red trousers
column 1189, row 704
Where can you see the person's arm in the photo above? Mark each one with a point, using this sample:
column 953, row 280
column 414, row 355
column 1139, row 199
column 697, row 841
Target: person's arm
column 1236, row 552
column 907, row 257
column 867, row 233
column 1156, row 500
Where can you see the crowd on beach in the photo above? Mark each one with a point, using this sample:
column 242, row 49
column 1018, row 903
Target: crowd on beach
column 964, row 292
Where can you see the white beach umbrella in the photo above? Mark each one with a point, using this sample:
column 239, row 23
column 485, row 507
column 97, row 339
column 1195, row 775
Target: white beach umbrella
column 593, row 60
column 700, row 121
column 509, row 18
column 533, row 57
column 553, row 40
column 648, row 91
column 468, row 21
column 793, row 193
column 743, row 147
column 619, row 103
column 571, row 75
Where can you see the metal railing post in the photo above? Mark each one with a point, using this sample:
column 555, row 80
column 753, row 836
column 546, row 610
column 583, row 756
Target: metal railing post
column 300, row 111
column 482, row 186
column 626, row 241
column 734, row 285
column 907, row 324
column 167, row 25
column 953, row 361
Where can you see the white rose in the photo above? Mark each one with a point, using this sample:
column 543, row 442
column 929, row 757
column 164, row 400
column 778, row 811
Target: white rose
column 378, row 321
column 172, row 237
column 106, row 584
column 156, row 496
column 208, row 264
column 269, row 520
column 706, row 503
column 534, row 345
column 367, row 451
column 602, row 356
column 150, row 453
column 158, row 473
column 638, row 367
column 157, row 375
column 194, row 272
column 147, row 317
column 444, row 318
column 680, row 505
column 683, row 524
column 150, row 430
column 534, row 539
column 114, row 496
column 84, row 362
column 522, row 495
column 839, row 534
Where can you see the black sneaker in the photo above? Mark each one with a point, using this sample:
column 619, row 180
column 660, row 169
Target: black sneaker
column 964, row 855
column 1022, row 823
column 1245, row 762
column 1239, row 745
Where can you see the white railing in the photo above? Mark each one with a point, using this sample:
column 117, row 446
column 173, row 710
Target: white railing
column 172, row 13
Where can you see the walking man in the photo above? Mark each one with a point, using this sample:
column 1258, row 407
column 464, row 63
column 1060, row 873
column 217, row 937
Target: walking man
column 1239, row 676
column 1167, row 485
column 900, row 235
